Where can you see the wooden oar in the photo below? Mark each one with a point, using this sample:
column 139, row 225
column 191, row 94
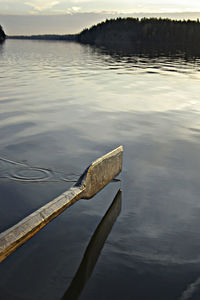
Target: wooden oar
column 95, row 177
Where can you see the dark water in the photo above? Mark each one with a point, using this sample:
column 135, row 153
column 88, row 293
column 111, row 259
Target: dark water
column 62, row 105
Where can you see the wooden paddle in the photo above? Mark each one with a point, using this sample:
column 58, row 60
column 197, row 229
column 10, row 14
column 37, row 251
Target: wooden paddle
column 95, row 177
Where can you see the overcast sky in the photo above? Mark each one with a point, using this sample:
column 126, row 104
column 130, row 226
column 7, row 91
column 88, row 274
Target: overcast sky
column 68, row 6
column 70, row 16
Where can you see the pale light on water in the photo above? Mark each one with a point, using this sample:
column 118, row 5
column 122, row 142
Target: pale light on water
column 62, row 106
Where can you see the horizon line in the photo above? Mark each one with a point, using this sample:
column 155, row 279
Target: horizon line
column 98, row 12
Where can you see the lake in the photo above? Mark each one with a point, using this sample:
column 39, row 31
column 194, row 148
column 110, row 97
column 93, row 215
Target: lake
column 62, row 105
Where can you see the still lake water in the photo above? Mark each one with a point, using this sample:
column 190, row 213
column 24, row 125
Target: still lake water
column 62, row 105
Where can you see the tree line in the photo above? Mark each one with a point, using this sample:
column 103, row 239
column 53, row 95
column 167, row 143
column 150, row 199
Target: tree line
column 148, row 33
column 2, row 34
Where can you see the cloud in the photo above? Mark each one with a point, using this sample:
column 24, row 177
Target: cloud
column 81, row 1
column 13, row 6
column 73, row 10
column 76, row 8
column 41, row 5
column 96, row 6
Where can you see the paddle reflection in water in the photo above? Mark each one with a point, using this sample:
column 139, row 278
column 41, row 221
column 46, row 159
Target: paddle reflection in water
column 93, row 250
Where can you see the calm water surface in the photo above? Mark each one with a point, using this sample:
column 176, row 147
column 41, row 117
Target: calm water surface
column 62, row 105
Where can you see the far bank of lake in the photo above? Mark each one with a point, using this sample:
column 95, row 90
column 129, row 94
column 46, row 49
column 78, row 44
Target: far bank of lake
column 151, row 36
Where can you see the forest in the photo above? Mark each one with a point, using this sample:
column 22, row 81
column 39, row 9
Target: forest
column 163, row 35
column 2, row 34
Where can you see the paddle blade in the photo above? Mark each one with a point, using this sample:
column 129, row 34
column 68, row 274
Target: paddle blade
column 101, row 172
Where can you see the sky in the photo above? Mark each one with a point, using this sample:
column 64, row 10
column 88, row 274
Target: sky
column 71, row 16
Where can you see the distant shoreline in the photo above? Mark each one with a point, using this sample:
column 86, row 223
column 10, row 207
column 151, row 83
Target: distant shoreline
column 48, row 37
column 146, row 35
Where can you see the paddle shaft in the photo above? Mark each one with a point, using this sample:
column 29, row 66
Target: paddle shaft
column 15, row 236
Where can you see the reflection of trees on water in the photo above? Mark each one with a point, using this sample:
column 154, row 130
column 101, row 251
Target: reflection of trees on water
column 93, row 250
column 1, row 48
column 136, row 63
column 133, row 54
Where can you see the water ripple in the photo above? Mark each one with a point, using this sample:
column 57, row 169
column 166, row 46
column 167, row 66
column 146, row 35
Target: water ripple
column 30, row 174
column 20, row 171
